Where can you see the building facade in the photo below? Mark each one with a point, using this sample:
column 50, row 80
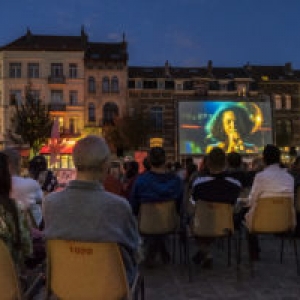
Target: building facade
column 87, row 85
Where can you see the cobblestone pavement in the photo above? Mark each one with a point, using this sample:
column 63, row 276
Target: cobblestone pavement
column 271, row 280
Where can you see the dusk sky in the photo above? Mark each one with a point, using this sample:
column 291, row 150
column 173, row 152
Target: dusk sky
column 184, row 32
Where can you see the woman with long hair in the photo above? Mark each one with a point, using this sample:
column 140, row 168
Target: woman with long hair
column 14, row 230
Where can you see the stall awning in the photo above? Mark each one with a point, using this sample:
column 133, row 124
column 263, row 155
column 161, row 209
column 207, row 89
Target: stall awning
column 68, row 149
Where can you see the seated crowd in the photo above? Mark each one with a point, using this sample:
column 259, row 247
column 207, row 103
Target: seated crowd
column 103, row 206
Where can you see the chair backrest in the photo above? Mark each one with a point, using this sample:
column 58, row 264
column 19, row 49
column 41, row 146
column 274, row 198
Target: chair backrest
column 9, row 282
column 85, row 270
column 273, row 214
column 213, row 219
column 297, row 199
column 158, row 217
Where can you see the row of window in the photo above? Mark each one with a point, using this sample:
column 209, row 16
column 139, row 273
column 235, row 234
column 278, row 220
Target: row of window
column 282, row 102
column 109, row 85
column 33, row 70
column 187, row 85
column 56, row 96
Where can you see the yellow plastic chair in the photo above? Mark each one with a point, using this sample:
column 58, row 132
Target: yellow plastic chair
column 158, row 218
column 85, row 270
column 9, row 281
column 162, row 219
column 214, row 219
column 274, row 215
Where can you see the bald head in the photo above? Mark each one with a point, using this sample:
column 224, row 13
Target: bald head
column 90, row 154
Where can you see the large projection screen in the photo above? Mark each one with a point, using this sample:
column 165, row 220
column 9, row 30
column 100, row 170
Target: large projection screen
column 243, row 127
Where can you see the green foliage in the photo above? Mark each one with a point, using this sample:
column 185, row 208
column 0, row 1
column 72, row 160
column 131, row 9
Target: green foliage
column 32, row 122
column 128, row 132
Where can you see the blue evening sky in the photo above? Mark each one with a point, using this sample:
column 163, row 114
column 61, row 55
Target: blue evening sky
column 185, row 32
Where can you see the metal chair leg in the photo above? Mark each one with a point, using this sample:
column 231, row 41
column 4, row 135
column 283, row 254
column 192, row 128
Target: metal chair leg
column 296, row 256
column 281, row 249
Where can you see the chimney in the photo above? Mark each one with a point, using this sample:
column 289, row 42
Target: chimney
column 210, row 67
column 84, row 37
column 288, row 70
column 167, row 69
column 28, row 34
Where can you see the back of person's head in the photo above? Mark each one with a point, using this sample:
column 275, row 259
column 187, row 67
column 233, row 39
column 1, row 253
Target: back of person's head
column 132, row 169
column 271, row 155
column 216, row 160
column 5, row 177
column 157, row 157
column 37, row 165
column 90, row 154
column 234, row 160
column 177, row 165
column 146, row 163
column 14, row 160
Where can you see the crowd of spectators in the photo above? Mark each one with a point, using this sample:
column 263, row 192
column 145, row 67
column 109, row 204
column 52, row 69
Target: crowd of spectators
column 102, row 203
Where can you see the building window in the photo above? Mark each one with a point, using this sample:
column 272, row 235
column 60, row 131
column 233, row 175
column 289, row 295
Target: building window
column 169, row 85
column 139, row 84
column 288, row 102
column 110, row 112
column 156, row 117
column 73, row 97
column 73, row 70
column 73, row 125
column 15, row 97
column 105, row 84
column 278, row 102
column 131, row 84
column 35, row 94
column 33, row 70
column 57, row 96
column 91, row 113
column 57, row 70
column 115, row 84
column 241, row 89
column 92, row 85
column 15, row 70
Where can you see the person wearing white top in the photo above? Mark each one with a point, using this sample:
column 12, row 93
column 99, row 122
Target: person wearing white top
column 273, row 181
column 25, row 191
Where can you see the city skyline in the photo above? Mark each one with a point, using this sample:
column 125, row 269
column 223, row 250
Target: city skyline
column 184, row 32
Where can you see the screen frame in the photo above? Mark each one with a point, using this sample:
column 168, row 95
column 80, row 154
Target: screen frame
column 265, row 99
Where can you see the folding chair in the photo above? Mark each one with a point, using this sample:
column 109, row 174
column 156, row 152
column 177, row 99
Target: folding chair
column 274, row 215
column 160, row 219
column 85, row 270
column 10, row 288
column 214, row 220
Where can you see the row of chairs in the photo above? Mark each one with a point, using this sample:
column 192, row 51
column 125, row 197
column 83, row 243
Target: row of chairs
column 77, row 269
column 272, row 216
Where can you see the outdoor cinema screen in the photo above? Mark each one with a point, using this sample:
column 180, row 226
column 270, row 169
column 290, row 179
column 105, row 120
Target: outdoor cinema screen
column 243, row 127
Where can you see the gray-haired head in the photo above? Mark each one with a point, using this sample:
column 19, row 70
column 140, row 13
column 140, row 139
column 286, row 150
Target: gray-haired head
column 14, row 160
column 90, row 154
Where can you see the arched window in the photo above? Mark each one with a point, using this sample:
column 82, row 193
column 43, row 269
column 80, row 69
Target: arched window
column 110, row 111
column 92, row 85
column 115, row 84
column 91, row 116
column 156, row 117
column 105, row 85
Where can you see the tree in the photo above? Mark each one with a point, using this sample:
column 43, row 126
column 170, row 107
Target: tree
column 128, row 132
column 31, row 123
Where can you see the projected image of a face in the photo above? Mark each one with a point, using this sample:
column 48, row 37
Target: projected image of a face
column 243, row 127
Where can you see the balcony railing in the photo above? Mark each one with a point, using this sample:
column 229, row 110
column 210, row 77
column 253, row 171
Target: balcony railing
column 57, row 107
column 57, row 79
